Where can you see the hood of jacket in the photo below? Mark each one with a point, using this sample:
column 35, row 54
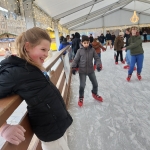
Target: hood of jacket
column 89, row 47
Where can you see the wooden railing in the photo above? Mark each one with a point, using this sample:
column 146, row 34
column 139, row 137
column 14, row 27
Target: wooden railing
column 9, row 105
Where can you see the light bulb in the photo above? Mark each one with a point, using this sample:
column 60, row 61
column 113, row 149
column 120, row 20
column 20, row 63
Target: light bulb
column 134, row 18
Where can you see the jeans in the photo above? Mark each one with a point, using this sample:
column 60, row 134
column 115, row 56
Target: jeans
column 128, row 57
column 99, row 54
column 138, row 60
column 112, row 41
column 93, row 79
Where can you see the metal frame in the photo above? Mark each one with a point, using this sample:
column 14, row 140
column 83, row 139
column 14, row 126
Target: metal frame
column 136, row 11
column 69, row 12
column 97, row 13
column 102, row 16
column 144, row 1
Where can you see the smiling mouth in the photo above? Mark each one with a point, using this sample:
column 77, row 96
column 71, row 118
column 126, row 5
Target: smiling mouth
column 42, row 60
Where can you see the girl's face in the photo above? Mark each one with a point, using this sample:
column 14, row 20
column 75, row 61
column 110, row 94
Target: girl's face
column 38, row 53
column 134, row 31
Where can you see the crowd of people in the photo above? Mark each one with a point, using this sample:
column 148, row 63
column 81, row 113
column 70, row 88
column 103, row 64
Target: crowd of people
column 24, row 75
column 83, row 50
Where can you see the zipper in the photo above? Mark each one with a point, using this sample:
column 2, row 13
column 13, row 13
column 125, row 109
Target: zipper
column 87, row 62
column 51, row 111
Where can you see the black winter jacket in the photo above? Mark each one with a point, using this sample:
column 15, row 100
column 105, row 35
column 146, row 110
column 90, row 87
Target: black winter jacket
column 47, row 112
column 76, row 44
column 108, row 36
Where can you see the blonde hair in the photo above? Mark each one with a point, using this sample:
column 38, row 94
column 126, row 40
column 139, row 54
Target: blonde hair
column 34, row 36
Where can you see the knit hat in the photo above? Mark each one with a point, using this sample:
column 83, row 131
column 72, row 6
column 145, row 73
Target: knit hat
column 121, row 33
column 85, row 38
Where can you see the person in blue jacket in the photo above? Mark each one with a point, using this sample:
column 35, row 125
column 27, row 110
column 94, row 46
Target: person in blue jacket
column 63, row 45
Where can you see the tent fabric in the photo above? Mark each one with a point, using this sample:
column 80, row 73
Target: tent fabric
column 79, row 14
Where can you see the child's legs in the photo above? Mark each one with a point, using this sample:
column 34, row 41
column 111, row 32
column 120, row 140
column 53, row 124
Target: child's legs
column 107, row 43
column 99, row 54
column 110, row 43
column 132, row 64
column 121, row 55
column 60, row 144
column 117, row 56
column 128, row 57
column 140, row 59
column 92, row 78
column 82, row 84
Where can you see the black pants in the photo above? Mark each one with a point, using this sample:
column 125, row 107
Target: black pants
column 145, row 39
column 112, row 43
column 92, row 77
column 121, row 56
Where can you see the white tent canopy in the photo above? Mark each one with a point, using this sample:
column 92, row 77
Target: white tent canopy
column 89, row 14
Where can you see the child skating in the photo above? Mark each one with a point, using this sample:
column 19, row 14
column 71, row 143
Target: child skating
column 84, row 58
column 118, row 45
column 137, row 56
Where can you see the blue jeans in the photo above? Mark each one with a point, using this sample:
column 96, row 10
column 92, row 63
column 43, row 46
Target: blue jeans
column 128, row 57
column 138, row 60
column 99, row 54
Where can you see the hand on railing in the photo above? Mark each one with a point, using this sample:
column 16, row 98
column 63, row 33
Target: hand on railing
column 13, row 133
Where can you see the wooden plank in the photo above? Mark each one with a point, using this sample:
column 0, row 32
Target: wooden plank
column 28, row 136
column 39, row 146
column 61, row 81
column 49, row 63
column 7, row 107
column 34, row 143
column 63, row 93
column 55, row 74
column 68, row 91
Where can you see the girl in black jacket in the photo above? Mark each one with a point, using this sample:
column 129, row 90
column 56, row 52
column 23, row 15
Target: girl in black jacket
column 25, row 76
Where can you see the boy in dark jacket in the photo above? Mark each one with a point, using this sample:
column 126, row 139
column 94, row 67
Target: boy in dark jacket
column 76, row 43
column 84, row 58
column 108, row 40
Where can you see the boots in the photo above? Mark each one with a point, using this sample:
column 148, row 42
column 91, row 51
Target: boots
column 123, row 62
column 126, row 67
column 80, row 102
column 116, row 63
column 97, row 97
column 139, row 76
column 129, row 77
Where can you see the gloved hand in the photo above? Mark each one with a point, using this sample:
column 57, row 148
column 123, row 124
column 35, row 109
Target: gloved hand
column 104, row 49
column 99, row 69
column 13, row 133
column 74, row 71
